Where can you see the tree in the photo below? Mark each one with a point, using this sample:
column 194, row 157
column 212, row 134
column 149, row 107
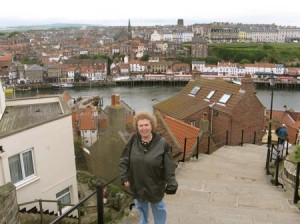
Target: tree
column 79, row 154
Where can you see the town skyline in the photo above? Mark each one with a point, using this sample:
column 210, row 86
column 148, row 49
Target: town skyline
column 28, row 13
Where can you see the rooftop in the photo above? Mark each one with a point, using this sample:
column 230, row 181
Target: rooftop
column 26, row 113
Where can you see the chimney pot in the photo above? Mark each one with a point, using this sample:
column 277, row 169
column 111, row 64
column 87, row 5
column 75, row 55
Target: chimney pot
column 115, row 99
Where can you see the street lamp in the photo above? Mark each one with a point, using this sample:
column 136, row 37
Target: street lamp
column 272, row 84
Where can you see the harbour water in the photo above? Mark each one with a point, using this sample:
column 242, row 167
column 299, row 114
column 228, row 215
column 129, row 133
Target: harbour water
column 144, row 97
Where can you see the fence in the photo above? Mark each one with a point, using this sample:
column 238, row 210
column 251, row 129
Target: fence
column 276, row 154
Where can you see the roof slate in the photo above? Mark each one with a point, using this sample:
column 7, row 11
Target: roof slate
column 183, row 105
column 24, row 116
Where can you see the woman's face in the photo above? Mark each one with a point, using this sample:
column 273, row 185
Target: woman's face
column 144, row 127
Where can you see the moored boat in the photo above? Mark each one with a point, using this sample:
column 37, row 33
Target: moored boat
column 62, row 85
column 9, row 91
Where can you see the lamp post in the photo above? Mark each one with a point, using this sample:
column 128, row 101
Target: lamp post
column 272, row 84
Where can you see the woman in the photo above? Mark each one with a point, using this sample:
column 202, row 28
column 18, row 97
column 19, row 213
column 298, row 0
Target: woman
column 146, row 166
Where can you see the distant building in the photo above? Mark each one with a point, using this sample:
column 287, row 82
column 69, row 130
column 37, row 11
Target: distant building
column 5, row 63
column 180, row 22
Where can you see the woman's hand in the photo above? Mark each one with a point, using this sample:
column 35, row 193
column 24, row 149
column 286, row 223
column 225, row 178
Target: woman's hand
column 126, row 184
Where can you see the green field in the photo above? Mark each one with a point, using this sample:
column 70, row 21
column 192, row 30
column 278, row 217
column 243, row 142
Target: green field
column 279, row 53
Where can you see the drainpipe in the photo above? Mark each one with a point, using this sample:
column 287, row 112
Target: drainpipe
column 211, row 116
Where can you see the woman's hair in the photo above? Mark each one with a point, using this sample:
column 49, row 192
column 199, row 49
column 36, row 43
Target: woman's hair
column 144, row 115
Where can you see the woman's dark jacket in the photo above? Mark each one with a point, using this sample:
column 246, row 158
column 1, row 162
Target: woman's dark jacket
column 148, row 168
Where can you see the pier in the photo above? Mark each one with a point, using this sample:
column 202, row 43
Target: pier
column 258, row 83
column 291, row 84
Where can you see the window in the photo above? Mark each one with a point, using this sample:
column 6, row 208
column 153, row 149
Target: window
column 225, row 98
column 210, row 94
column 193, row 123
column 21, row 166
column 64, row 196
column 194, row 91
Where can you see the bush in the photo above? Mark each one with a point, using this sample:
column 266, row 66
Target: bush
column 93, row 181
column 295, row 155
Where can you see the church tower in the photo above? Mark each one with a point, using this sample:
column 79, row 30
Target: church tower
column 129, row 31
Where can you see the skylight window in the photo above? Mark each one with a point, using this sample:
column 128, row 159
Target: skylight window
column 210, row 94
column 194, row 91
column 225, row 98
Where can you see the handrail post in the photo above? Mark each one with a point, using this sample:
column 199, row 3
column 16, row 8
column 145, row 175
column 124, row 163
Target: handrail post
column 296, row 194
column 242, row 140
column 254, row 139
column 100, row 207
column 184, row 151
column 198, row 140
column 59, row 207
column 268, row 161
column 208, row 145
column 277, row 171
column 41, row 210
column 227, row 137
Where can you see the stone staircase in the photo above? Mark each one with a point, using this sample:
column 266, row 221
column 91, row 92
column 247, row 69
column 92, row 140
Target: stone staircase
column 34, row 217
column 229, row 186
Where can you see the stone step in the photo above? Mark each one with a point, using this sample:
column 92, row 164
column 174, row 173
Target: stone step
column 229, row 186
column 35, row 218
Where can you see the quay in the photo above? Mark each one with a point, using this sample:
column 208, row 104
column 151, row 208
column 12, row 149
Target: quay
column 258, row 83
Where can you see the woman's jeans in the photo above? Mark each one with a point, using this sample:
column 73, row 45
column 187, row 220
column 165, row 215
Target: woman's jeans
column 159, row 211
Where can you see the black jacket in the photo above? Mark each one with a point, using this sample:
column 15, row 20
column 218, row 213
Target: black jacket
column 149, row 169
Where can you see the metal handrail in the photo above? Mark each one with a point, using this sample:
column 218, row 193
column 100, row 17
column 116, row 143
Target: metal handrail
column 100, row 207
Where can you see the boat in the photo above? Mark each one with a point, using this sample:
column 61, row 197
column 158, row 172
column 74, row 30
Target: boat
column 62, row 85
column 9, row 91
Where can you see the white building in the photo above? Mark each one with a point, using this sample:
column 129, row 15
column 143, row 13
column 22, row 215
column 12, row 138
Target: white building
column 37, row 153
column 155, row 36
column 88, row 125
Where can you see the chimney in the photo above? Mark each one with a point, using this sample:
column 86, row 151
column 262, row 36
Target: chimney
column 204, row 123
column 115, row 99
column 116, row 115
column 247, row 84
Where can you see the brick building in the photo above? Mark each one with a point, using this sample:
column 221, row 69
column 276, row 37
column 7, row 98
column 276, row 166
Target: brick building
column 5, row 63
column 234, row 112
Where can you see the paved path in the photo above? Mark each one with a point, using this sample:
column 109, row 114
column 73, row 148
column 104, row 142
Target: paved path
column 228, row 187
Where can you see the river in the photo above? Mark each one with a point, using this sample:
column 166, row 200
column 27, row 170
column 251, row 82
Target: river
column 143, row 98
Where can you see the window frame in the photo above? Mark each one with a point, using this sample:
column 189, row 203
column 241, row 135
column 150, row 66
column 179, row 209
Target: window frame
column 195, row 90
column 24, row 176
column 193, row 123
column 224, row 98
column 61, row 194
column 210, row 95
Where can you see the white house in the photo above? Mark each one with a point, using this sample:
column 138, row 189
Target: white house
column 37, row 153
column 155, row 36
column 88, row 125
column 137, row 66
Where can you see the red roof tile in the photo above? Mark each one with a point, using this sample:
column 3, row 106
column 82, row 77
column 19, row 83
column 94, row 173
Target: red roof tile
column 183, row 131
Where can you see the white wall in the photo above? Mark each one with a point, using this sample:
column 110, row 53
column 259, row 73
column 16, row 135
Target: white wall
column 54, row 158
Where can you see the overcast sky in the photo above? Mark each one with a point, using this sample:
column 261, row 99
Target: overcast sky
column 153, row 12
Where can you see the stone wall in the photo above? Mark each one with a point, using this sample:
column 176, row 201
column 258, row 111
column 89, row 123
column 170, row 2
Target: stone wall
column 9, row 212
